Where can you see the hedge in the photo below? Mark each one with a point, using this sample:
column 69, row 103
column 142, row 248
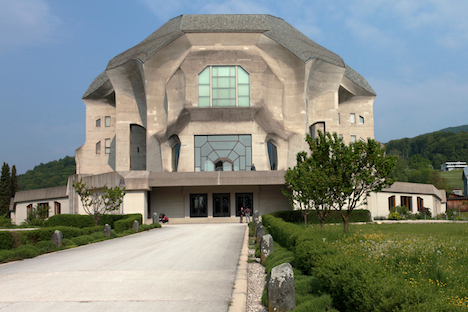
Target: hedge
column 74, row 220
column 295, row 216
column 6, row 240
column 127, row 223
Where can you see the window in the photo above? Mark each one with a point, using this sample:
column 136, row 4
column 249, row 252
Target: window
column 223, row 152
column 420, row 203
column 223, row 86
column 175, row 157
column 340, row 136
column 352, row 118
column 57, row 208
column 362, row 140
column 198, row 205
column 108, row 146
column 406, row 201
column 273, row 156
column 107, row 121
column 391, row 202
column 98, row 147
column 361, row 120
column 315, row 128
column 28, row 210
column 353, row 139
column 46, row 212
column 98, row 122
column 339, row 118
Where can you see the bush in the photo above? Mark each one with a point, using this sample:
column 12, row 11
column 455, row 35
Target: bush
column 5, row 222
column 67, row 242
column 45, row 246
column 24, row 251
column 6, row 240
column 127, row 223
column 99, row 235
column 80, row 240
column 295, row 216
column 78, row 221
column 394, row 216
column 92, row 229
column 110, row 219
column 6, row 255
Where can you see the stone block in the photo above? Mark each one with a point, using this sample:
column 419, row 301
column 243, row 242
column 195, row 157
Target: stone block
column 280, row 289
column 266, row 248
column 57, row 238
column 155, row 218
column 255, row 214
column 107, row 230
column 260, row 232
column 136, row 225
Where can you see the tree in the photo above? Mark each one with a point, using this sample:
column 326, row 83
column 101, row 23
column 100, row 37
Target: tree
column 99, row 201
column 307, row 187
column 5, row 190
column 14, row 181
column 354, row 170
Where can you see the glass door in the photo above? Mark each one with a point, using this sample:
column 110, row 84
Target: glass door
column 198, row 205
column 221, row 205
column 244, row 200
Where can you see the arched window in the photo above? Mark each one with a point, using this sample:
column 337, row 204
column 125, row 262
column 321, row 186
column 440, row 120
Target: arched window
column 272, row 155
column 175, row 145
column 223, row 86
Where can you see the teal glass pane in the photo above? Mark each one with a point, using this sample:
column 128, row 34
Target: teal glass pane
column 243, row 90
column 223, row 145
column 203, row 90
column 223, row 82
column 232, row 82
column 215, row 71
column 227, row 166
column 232, row 93
column 200, row 140
column 223, row 71
column 232, row 71
column 213, row 156
column 242, row 76
column 222, row 94
column 215, row 103
column 215, row 82
column 248, row 156
column 208, row 166
column 237, row 164
column 223, row 153
column 197, row 157
column 242, row 163
column 232, row 102
column 240, row 149
column 206, row 149
column 245, row 139
column 223, row 103
column 233, row 156
column 204, row 76
column 244, row 101
column 215, row 93
column 204, row 102
column 218, row 138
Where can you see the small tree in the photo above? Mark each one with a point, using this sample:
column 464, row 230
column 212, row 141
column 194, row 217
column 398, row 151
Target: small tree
column 354, row 171
column 37, row 215
column 14, row 181
column 5, row 190
column 99, row 201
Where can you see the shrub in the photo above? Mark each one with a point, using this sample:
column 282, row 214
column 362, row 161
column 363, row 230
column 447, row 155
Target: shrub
column 394, row 216
column 127, row 223
column 110, row 219
column 37, row 215
column 92, row 229
column 295, row 216
column 45, row 246
column 6, row 240
column 5, row 222
column 6, row 255
column 99, row 235
column 78, row 221
column 25, row 251
column 67, row 242
column 80, row 240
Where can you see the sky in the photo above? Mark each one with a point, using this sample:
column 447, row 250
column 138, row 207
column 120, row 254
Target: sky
column 412, row 53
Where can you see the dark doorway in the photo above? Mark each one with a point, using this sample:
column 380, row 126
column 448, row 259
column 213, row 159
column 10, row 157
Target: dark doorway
column 221, row 205
column 244, row 200
column 198, row 205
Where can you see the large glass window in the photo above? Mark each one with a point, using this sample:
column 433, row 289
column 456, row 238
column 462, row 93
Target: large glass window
column 198, row 205
column 272, row 155
column 223, row 152
column 407, row 202
column 223, row 86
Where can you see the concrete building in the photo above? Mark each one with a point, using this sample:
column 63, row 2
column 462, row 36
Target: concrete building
column 183, row 118
column 452, row 165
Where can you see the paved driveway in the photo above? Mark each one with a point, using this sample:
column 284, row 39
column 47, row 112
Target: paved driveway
column 176, row 268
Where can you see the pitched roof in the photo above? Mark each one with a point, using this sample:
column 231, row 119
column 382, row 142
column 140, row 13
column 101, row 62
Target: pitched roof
column 44, row 193
column 273, row 27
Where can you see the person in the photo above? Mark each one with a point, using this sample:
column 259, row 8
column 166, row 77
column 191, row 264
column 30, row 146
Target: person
column 241, row 214
column 163, row 218
column 247, row 215
column 252, row 168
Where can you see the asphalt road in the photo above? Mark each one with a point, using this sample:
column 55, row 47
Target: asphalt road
column 176, row 268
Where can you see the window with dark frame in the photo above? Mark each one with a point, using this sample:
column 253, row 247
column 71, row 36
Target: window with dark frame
column 108, row 146
column 108, row 121
column 420, row 203
column 98, row 147
column 98, row 122
column 407, row 202
column 57, row 208
column 391, row 202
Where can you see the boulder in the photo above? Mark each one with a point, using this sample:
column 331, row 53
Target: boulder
column 266, row 248
column 57, row 238
column 107, row 230
column 136, row 225
column 280, row 289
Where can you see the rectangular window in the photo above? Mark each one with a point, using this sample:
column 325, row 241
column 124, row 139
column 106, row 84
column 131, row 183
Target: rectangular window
column 107, row 121
column 57, row 208
column 361, row 120
column 420, row 203
column 352, row 118
column 339, row 118
column 407, row 202
column 353, row 139
column 43, row 205
column 98, row 122
column 340, row 136
column 108, row 146
column 391, row 202
column 28, row 210
column 98, row 147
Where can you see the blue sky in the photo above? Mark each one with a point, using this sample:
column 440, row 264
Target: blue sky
column 412, row 52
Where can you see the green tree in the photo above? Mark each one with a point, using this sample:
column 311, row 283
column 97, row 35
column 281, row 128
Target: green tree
column 354, row 170
column 5, row 190
column 99, row 201
column 14, row 181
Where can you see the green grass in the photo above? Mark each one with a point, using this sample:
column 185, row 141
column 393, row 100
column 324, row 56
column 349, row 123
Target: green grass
column 454, row 178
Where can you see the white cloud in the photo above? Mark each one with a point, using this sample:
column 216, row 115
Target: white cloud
column 26, row 22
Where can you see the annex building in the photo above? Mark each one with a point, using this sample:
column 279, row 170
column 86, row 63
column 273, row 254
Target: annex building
column 206, row 114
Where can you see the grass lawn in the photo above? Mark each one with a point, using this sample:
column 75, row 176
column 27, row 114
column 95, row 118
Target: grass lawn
column 454, row 178
column 427, row 263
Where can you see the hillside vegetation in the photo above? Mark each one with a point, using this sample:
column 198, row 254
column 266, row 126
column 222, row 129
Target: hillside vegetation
column 54, row 173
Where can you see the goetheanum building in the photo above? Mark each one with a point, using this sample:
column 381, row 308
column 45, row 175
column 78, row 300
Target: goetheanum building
column 183, row 118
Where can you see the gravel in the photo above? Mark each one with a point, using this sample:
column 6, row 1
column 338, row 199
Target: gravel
column 255, row 284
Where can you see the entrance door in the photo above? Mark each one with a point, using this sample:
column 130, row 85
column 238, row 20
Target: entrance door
column 244, row 200
column 221, row 205
column 198, row 205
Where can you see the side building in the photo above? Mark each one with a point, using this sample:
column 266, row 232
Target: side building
column 206, row 114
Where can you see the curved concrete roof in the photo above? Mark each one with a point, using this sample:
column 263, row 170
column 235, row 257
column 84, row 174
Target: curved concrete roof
column 273, row 27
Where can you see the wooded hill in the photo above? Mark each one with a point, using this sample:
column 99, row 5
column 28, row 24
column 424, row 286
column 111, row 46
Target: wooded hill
column 54, row 173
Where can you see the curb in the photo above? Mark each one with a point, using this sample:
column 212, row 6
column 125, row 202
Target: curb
column 239, row 294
